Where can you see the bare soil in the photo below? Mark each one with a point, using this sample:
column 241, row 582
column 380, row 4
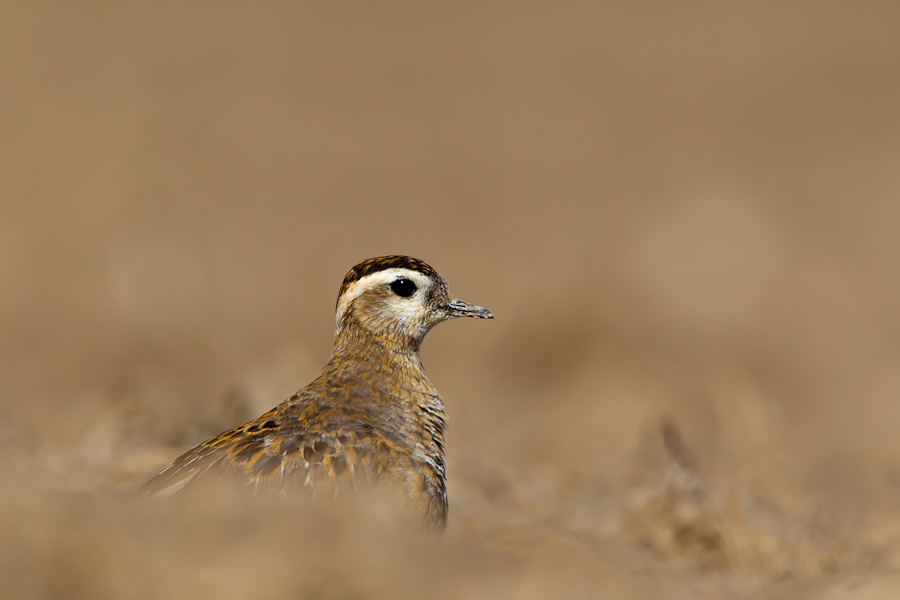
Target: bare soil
column 684, row 217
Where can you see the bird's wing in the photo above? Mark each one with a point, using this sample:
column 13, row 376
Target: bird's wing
column 276, row 451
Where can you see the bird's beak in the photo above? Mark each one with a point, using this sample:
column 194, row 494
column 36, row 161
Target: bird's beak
column 458, row 308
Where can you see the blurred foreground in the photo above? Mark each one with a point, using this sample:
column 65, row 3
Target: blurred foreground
column 684, row 219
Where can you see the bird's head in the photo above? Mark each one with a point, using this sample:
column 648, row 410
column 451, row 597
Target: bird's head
column 398, row 299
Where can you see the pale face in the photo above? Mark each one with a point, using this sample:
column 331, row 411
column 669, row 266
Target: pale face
column 401, row 303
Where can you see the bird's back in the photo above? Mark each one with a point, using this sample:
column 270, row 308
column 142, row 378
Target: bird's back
column 346, row 430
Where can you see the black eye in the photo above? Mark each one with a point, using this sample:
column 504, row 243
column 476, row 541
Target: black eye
column 403, row 287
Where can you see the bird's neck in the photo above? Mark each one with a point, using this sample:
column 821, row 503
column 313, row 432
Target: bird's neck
column 391, row 369
column 389, row 374
column 354, row 342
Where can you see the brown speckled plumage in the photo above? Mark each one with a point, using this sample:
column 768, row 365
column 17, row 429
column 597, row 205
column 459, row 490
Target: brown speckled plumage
column 371, row 417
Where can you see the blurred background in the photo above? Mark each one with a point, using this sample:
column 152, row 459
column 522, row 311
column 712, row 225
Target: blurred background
column 683, row 216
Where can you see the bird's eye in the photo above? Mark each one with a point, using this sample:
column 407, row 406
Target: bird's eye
column 403, row 287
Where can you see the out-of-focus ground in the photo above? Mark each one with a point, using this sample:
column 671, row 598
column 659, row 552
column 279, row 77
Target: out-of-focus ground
column 684, row 216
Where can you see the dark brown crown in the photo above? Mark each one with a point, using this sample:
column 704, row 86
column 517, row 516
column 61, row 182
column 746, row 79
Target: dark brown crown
column 381, row 263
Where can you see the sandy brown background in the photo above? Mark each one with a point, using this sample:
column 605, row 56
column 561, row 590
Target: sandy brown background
column 684, row 217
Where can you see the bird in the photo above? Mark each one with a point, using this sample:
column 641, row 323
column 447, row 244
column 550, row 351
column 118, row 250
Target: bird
column 372, row 417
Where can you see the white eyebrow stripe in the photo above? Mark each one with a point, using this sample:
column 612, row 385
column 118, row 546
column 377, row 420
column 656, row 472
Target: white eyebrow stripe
column 380, row 277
